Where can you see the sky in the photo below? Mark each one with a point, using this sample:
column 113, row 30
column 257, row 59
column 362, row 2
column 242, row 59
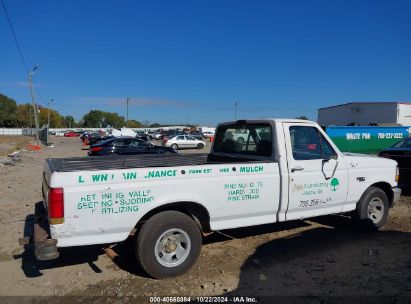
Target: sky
column 191, row 61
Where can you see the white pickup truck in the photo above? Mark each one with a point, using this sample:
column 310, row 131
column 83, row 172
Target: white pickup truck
column 283, row 170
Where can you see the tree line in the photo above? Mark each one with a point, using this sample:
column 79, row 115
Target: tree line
column 21, row 115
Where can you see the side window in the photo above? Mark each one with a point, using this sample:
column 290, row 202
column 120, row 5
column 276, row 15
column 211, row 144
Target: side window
column 307, row 143
column 180, row 137
column 135, row 143
column 119, row 142
column 328, row 151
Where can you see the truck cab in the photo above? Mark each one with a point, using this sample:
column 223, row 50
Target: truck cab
column 280, row 170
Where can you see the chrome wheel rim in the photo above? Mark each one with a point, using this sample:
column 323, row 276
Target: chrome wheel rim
column 376, row 210
column 172, row 247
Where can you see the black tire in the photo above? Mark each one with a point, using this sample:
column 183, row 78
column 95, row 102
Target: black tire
column 150, row 234
column 372, row 209
column 174, row 146
column 200, row 146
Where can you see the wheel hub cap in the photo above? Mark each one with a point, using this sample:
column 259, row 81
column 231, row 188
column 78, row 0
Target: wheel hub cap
column 172, row 247
column 376, row 210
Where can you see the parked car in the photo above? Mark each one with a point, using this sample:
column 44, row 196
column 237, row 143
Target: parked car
column 197, row 135
column 60, row 133
column 95, row 138
column 85, row 134
column 151, row 134
column 208, row 134
column 183, row 141
column 71, row 134
column 159, row 135
column 172, row 133
column 143, row 136
column 127, row 146
column 401, row 152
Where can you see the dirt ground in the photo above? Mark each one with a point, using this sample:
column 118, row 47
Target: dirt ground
column 324, row 260
column 9, row 144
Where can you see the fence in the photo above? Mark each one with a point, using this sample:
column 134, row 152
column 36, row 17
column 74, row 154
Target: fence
column 29, row 132
column 44, row 135
column 11, row 131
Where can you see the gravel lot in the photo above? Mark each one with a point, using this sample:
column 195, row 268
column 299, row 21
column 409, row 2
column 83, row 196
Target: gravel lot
column 317, row 258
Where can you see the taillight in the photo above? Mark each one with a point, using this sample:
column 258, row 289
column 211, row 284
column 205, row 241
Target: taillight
column 397, row 174
column 96, row 149
column 56, row 206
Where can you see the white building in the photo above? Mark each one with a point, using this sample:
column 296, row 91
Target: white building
column 364, row 113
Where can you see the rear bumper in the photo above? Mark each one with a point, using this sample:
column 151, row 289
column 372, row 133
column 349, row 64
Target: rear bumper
column 45, row 248
column 396, row 195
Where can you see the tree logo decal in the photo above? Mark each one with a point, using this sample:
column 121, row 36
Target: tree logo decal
column 335, row 183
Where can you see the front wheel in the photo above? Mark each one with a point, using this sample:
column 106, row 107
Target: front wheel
column 168, row 244
column 200, row 146
column 174, row 146
column 372, row 209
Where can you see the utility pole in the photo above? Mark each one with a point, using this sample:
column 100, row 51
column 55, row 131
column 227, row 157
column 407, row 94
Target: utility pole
column 31, row 124
column 235, row 110
column 48, row 112
column 127, row 111
column 36, row 121
column 48, row 119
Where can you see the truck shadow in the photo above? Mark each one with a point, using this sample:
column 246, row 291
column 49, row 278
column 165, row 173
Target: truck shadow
column 406, row 190
column 298, row 260
column 126, row 259
column 240, row 233
column 329, row 263
column 68, row 256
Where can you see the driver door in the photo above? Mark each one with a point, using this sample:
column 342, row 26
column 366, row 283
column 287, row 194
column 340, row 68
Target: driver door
column 318, row 175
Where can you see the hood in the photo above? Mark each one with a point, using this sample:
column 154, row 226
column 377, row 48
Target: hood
column 356, row 160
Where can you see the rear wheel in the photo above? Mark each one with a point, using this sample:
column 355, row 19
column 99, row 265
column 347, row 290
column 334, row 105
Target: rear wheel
column 200, row 146
column 168, row 244
column 372, row 209
column 174, row 146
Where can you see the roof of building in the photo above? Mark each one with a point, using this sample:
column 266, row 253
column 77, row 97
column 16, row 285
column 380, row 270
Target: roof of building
column 368, row 102
column 280, row 120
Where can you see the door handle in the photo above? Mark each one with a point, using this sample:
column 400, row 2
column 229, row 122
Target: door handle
column 297, row 168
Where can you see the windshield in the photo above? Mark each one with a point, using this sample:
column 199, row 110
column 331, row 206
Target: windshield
column 247, row 139
column 405, row 143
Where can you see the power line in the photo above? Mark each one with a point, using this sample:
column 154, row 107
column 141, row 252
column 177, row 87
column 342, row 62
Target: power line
column 20, row 51
column 14, row 36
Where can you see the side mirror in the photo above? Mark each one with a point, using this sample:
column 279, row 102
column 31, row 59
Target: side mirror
column 335, row 157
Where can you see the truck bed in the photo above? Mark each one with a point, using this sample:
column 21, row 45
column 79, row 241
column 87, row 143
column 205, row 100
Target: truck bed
column 95, row 163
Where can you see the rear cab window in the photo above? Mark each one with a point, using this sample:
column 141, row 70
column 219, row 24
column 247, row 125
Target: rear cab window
column 245, row 140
